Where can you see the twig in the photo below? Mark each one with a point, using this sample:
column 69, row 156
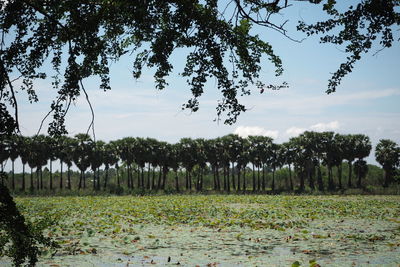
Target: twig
column 47, row 115
column 14, row 99
column 91, row 125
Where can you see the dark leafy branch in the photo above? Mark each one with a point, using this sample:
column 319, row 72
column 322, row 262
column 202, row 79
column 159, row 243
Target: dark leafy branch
column 82, row 38
column 359, row 26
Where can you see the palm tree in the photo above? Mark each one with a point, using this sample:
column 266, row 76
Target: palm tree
column 166, row 158
column 362, row 150
column 33, row 156
column 349, row 154
column 233, row 145
column 23, row 149
column 51, row 152
column 188, row 149
column 307, row 156
column 288, row 158
column 96, row 160
column 255, row 154
column 340, row 142
column 110, row 157
column 81, row 155
column 64, row 154
column 140, row 154
column 361, row 170
column 68, row 158
column 387, row 153
column 174, row 162
column 210, row 150
column 300, row 159
column 131, row 150
column 13, row 153
column 242, row 161
column 276, row 160
column 40, row 149
column 330, row 151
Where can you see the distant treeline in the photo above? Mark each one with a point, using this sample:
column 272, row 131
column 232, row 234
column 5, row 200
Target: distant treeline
column 323, row 161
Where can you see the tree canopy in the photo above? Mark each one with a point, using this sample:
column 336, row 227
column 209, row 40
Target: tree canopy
column 82, row 38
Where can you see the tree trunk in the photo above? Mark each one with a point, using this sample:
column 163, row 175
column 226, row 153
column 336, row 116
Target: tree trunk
column 118, row 181
column 214, row 178
column 290, row 178
column 311, row 177
column 41, row 178
column 238, row 178
column 331, row 185
column 98, row 179
column 159, row 179
column 190, row 180
column 84, row 180
column 244, row 179
column 32, row 181
column 218, row 178
column 94, row 179
column 263, row 178
column 186, row 179
column 388, row 177
column 13, row 176
column 302, row 187
column 233, row 176
column 51, row 175
column 153, row 179
column 138, row 176
column 37, row 179
column 254, row 179
column 224, row 169
column 61, row 175
column 148, row 177
column 258, row 179
column 80, row 180
column 165, row 172
column 176, row 181
column 201, row 179
column 339, row 170
column 320, row 181
column 273, row 180
column 128, row 179
column 69, row 178
column 228, row 183
column 197, row 186
column 142, row 178
column 106, row 178
column 350, row 171
column 23, row 178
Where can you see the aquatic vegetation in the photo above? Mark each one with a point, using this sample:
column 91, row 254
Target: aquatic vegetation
column 221, row 229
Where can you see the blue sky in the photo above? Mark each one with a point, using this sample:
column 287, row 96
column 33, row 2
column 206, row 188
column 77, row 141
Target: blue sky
column 366, row 102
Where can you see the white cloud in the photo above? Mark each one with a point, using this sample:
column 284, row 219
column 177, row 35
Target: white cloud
column 245, row 131
column 318, row 127
column 322, row 127
column 295, row 131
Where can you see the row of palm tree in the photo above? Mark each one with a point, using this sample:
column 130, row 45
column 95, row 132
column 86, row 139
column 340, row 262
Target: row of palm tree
column 228, row 159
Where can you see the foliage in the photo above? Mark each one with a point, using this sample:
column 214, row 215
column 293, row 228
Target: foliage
column 19, row 239
column 81, row 39
column 358, row 27
column 228, row 161
column 388, row 155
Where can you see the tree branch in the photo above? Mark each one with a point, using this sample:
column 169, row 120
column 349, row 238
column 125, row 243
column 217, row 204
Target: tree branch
column 91, row 109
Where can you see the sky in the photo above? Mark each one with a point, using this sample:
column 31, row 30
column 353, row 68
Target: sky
column 367, row 101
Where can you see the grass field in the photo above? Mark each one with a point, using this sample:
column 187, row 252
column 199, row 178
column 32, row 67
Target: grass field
column 219, row 230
